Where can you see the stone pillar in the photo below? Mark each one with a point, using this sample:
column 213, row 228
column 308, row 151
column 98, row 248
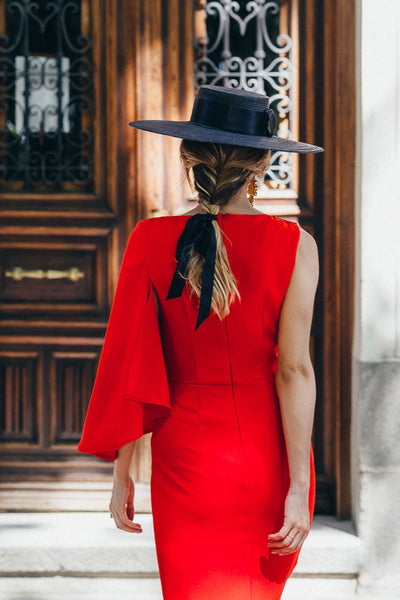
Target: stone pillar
column 376, row 385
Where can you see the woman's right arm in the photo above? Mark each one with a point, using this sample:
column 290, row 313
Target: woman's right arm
column 295, row 384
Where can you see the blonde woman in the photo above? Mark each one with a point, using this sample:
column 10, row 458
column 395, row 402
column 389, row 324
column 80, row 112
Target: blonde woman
column 207, row 346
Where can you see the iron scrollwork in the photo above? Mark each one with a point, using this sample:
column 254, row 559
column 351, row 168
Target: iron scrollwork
column 46, row 100
column 242, row 47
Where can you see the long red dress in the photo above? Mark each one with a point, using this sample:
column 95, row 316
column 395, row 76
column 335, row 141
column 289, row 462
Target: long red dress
column 219, row 465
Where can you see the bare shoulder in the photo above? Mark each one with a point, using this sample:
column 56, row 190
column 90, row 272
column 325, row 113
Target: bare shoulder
column 307, row 248
column 307, row 263
column 307, row 243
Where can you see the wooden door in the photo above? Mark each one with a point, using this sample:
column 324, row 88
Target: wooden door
column 74, row 179
column 72, row 75
column 275, row 47
column 61, row 236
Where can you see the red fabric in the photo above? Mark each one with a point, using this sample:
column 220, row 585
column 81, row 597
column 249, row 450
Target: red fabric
column 131, row 386
column 219, row 464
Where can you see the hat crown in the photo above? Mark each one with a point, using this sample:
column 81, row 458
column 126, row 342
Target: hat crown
column 234, row 97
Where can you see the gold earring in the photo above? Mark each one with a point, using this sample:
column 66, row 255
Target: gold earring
column 252, row 190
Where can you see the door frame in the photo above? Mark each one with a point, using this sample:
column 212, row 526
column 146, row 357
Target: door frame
column 339, row 123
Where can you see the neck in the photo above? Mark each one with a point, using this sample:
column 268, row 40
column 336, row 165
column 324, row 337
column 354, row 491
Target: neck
column 239, row 202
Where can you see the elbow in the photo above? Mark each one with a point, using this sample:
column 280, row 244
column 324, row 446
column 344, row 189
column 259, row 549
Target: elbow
column 289, row 373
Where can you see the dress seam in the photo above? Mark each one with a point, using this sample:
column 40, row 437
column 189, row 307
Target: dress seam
column 232, row 384
column 242, row 446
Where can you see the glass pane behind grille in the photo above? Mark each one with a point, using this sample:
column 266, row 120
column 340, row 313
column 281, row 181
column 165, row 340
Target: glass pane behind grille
column 45, row 97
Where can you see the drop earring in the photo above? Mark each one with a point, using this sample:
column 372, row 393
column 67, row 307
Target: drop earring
column 252, row 190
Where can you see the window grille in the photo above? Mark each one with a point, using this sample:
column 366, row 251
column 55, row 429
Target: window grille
column 240, row 44
column 45, row 96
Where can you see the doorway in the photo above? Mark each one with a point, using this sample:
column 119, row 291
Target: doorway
column 74, row 180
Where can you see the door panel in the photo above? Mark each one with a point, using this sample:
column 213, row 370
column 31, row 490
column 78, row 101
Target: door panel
column 59, row 234
column 72, row 186
column 53, row 271
column 71, row 376
column 19, row 417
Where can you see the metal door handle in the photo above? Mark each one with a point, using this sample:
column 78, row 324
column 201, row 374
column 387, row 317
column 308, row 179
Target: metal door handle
column 19, row 273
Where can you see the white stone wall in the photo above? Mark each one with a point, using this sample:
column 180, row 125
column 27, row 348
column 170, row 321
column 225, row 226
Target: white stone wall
column 376, row 384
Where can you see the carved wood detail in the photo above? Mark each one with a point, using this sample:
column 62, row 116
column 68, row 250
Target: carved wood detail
column 53, row 271
column 71, row 379
column 93, row 25
column 18, row 411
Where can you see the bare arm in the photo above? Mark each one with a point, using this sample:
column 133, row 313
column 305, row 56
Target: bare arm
column 122, row 463
column 121, row 503
column 295, row 384
column 295, row 381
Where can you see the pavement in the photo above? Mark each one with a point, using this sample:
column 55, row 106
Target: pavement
column 83, row 556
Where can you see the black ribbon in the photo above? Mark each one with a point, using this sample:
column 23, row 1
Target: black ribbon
column 220, row 115
column 199, row 235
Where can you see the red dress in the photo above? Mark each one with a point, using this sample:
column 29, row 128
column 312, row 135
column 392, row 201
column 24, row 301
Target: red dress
column 219, row 465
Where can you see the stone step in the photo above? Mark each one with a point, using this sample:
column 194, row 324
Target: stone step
column 79, row 588
column 82, row 588
column 46, row 556
column 58, row 496
column 73, row 544
column 90, row 544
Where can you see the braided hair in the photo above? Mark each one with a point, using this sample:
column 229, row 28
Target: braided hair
column 218, row 172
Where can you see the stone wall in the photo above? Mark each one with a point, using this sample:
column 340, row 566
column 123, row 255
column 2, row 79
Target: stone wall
column 376, row 352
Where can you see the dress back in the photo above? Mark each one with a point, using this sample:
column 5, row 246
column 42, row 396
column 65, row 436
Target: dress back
column 242, row 347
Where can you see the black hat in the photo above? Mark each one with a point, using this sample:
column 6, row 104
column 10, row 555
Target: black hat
column 229, row 116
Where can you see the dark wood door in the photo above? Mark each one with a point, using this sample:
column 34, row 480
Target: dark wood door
column 60, row 230
column 74, row 179
column 70, row 81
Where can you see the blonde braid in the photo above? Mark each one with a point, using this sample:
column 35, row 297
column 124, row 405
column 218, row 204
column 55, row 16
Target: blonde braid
column 225, row 287
column 218, row 171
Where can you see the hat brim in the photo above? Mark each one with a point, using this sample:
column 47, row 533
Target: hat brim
column 200, row 133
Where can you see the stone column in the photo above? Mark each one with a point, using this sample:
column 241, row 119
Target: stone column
column 376, row 385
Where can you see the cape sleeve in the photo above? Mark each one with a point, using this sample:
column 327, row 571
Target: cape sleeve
column 131, row 386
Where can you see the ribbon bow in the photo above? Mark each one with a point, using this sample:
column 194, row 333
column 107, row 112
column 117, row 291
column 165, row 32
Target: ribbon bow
column 199, row 235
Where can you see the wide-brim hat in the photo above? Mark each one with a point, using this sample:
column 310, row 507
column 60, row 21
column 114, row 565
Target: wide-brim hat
column 229, row 116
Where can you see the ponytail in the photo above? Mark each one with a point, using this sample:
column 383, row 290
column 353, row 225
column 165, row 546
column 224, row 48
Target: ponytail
column 218, row 171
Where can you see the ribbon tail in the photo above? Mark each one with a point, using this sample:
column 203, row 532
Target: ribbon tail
column 177, row 283
column 207, row 281
column 178, row 280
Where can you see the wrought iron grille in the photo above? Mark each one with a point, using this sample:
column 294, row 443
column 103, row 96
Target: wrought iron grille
column 240, row 45
column 45, row 96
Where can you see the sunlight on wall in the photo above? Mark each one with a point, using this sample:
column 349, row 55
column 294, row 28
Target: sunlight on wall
column 380, row 185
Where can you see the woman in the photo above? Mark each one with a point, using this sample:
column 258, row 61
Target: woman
column 207, row 346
